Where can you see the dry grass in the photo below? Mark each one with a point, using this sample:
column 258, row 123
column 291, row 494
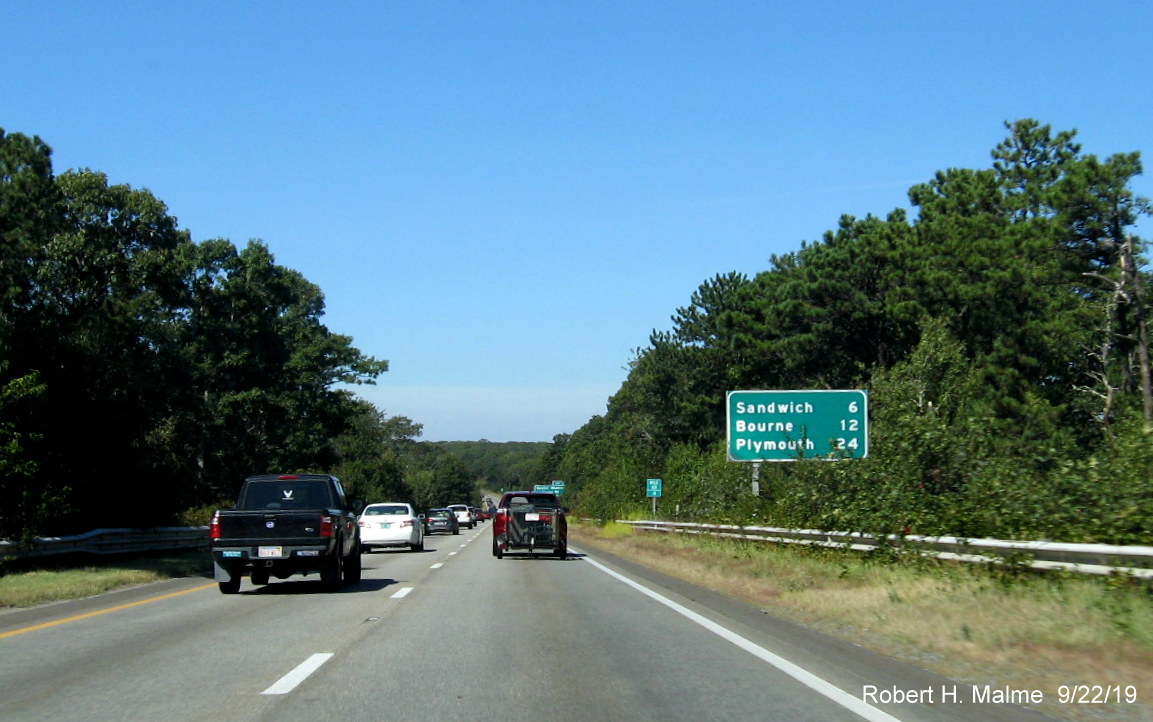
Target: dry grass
column 972, row 624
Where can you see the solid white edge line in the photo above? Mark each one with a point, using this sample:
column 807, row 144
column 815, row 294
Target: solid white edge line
column 805, row 677
column 401, row 593
column 288, row 682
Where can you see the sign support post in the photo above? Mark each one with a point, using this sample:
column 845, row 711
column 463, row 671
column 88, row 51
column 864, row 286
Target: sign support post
column 653, row 489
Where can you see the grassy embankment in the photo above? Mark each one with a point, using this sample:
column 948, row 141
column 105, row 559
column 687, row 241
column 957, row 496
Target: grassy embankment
column 31, row 582
column 972, row 623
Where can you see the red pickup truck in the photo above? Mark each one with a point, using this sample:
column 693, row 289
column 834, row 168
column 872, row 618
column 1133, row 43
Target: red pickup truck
column 529, row 520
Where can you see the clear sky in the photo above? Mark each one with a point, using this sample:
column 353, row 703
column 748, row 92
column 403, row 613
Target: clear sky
column 503, row 199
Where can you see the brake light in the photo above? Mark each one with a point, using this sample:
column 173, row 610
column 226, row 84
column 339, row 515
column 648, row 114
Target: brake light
column 326, row 526
column 214, row 529
column 361, row 524
column 406, row 522
column 287, row 477
column 546, row 517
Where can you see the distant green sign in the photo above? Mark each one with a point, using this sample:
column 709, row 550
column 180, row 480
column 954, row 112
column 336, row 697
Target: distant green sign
column 556, row 487
column 653, row 487
column 797, row 425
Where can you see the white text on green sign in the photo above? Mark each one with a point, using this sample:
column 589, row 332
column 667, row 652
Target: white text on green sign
column 796, row 425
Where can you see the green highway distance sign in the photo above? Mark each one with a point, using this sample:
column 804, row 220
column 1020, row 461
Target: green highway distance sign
column 795, row 425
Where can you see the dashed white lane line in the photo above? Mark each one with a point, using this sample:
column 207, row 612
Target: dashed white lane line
column 288, row 682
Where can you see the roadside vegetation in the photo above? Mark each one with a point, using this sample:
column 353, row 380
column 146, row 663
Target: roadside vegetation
column 999, row 327
column 998, row 324
column 29, row 583
column 973, row 623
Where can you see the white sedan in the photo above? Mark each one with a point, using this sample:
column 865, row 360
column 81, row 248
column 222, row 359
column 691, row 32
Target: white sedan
column 390, row 525
column 463, row 514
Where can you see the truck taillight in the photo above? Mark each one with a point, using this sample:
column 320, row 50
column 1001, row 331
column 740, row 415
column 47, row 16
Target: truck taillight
column 326, row 526
column 546, row 517
column 214, row 529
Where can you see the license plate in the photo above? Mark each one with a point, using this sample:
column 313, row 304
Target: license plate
column 385, row 524
column 270, row 552
column 532, row 516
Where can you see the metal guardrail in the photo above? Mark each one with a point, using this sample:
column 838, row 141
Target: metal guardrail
column 112, row 541
column 1100, row 559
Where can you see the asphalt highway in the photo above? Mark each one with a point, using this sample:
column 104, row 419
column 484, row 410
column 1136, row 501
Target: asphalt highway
column 452, row 633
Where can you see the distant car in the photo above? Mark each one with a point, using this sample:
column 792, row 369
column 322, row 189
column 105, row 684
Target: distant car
column 464, row 515
column 441, row 520
column 476, row 516
column 390, row 524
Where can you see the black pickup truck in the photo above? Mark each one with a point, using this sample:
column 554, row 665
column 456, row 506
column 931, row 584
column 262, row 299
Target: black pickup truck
column 287, row 524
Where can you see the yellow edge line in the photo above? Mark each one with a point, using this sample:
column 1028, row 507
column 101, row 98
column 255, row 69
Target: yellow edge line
column 78, row 617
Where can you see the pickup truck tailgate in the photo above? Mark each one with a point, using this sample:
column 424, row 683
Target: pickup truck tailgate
column 253, row 527
column 533, row 526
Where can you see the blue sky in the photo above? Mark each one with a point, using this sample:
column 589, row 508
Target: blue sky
column 504, row 199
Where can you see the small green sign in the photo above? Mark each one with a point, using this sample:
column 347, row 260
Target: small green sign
column 796, row 425
column 555, row 487
column 653, row 487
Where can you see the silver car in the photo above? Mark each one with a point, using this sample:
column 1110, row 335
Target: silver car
column 441, row 519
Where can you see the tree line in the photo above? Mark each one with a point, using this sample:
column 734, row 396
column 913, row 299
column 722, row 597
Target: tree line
column 143, row 375
column 999, row 327
column 500, row 466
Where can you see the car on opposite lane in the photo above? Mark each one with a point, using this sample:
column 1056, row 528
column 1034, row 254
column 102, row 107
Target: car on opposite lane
column 390, row 524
